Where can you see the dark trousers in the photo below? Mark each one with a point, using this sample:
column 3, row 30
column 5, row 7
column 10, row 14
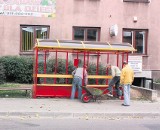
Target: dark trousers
column 115, row 81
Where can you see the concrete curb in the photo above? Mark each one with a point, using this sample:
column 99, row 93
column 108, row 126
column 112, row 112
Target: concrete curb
column 61, row 115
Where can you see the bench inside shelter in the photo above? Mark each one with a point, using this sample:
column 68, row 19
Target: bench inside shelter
column 70, row 76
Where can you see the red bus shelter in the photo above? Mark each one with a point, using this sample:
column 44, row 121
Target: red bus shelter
column 85, row 49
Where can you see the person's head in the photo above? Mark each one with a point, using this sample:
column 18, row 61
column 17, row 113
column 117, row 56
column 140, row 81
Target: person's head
column 124, row 63
column 108, row 66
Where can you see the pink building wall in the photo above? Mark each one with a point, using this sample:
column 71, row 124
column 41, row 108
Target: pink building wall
column 91, row 13
column 103, row 13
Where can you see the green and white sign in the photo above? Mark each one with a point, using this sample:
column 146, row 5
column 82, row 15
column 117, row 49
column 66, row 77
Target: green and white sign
column 36, row 8
column 135, row 62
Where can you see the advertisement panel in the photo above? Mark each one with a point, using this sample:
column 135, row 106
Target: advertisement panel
column 36, row 8
column 136, row 63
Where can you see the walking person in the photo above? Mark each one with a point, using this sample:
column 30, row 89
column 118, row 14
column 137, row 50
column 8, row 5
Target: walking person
column 115, row 72
column 78, row 74
column 126, row 79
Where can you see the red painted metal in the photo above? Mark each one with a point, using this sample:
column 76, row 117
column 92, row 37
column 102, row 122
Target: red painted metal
column 54, row 91
column 35, row 74
column 127, row 57
column 66, row 66
column 63, row 91
column 107, row 58
column 88, row 59
column 117, row 59
column 76, row 61
column 55, row 69
column 107, row 68
column 77, row 55
column 84, row 60
column 45, row 66
column 97, row 67
column 75, row 52
column 122, row 59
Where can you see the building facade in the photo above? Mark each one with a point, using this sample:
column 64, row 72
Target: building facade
column 133, row 21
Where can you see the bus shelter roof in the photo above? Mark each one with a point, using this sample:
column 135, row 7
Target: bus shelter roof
column 73, row 45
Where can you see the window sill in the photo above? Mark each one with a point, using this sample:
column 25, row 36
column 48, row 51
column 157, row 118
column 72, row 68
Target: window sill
column 27, row 53
column 143, row 55
column 137, row 1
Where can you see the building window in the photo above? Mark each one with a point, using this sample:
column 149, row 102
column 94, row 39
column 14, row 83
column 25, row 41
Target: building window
column 138, row 1
column 86, row 34
column 137, row 38
column 29, row 35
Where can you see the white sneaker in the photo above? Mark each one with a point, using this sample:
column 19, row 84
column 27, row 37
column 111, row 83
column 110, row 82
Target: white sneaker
column 109, row 94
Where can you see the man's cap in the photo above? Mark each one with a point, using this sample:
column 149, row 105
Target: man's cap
column 125, row 62
column 108, row 65
column 85, row 66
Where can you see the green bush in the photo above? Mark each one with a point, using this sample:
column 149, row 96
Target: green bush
column 51, row 68
column 92, row 71
column 2, row 74
column 157, row 80
column 61, row 63
column 18, row 69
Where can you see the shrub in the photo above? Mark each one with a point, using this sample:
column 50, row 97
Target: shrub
column 61, row 69
column 25, row 70
column 92, row 71
column 61, row 63
column 157, row 80
column 2, row 74
column 18, row 69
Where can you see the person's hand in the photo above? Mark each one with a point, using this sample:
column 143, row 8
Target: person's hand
column 121, row 85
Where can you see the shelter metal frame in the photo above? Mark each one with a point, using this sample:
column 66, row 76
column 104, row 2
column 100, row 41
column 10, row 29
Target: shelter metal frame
column 85, row 48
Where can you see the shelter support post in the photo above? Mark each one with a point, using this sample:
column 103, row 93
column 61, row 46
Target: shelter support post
column 97, row 67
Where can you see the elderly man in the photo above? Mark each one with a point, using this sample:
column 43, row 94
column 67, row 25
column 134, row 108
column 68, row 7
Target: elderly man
column 115, row 72
column 126, row 79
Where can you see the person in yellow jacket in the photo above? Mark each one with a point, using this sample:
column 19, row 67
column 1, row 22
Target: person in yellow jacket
column 126, row 79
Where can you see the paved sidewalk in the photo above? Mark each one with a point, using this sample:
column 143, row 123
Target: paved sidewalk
column 66, row 108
